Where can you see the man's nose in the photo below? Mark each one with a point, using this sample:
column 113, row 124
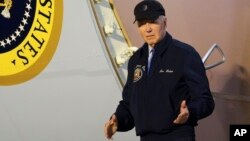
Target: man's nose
column 148, row 27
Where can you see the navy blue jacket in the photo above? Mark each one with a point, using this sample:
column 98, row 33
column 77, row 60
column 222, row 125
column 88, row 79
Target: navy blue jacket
column 152, row 102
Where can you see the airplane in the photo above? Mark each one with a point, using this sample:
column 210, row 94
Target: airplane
column 64, row 79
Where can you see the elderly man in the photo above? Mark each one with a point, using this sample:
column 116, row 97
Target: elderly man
column 167, row 90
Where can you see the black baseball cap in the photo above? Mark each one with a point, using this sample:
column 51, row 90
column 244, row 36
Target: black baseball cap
column 148, row 10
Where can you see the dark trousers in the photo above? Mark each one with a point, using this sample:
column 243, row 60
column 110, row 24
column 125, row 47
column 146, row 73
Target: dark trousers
column 165, row 138
column 182, row 133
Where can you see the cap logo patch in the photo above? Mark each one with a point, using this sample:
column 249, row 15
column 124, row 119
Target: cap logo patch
column 145, row 7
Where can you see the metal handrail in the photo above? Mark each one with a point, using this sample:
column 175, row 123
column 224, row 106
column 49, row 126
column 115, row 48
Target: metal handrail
column 209, row 52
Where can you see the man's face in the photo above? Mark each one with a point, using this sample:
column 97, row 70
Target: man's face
column 152, row 31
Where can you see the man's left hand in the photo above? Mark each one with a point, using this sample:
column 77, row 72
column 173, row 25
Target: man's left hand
column 184, row 114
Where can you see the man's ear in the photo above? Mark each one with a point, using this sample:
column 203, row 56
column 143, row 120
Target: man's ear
column 165, row 21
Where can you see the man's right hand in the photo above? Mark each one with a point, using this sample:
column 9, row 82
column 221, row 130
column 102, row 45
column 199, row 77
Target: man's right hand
column 110, row 127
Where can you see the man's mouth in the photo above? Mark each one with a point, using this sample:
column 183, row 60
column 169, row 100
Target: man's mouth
column 149, row 36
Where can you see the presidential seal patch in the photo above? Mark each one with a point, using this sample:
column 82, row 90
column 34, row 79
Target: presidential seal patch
column 138, row 73
column 29, row 33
